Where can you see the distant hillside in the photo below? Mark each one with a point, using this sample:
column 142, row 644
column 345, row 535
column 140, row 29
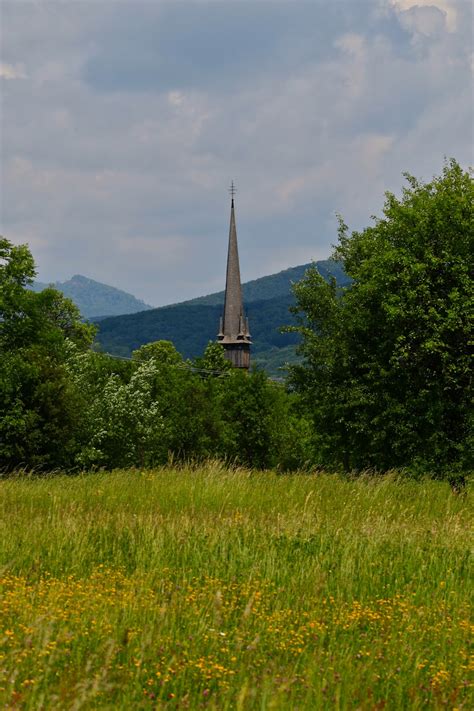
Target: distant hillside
column 275, row 284
column 192, row 324
column 96, row 300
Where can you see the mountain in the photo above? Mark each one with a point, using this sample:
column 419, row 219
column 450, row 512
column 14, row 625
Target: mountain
column 192, row 324
column 96, row 300
column 275, row 284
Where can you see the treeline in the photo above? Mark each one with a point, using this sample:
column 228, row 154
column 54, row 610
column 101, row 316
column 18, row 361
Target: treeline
column 385, row 379
column 64, row 406
column 156, row 407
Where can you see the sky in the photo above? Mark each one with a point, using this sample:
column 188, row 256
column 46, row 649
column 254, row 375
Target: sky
column 123, row 124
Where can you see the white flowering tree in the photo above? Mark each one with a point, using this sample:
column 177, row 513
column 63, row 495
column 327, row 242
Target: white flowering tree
column 122, row 422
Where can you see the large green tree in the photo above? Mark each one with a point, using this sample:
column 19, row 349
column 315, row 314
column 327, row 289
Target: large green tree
column 386, row 373
column 38, row 403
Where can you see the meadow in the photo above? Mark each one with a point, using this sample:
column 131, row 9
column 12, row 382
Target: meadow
column 212, row 588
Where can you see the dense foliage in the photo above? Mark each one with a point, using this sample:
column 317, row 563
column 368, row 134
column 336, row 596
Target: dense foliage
column 159, row 406
column 65, row 405
column 38, row 404
column 387, row 373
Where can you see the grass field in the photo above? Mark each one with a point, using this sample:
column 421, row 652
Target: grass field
column 215, row 589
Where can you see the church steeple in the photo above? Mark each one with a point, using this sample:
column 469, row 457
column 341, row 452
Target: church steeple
column 234, row 327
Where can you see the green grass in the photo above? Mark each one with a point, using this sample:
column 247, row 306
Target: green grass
column 209, row 588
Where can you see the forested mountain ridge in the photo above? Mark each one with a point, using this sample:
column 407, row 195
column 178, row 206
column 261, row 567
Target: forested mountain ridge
column 94, row 299
column 190, row 325
column 268, row 287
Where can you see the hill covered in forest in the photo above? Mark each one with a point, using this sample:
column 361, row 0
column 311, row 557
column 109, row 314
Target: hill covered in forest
column 94, row 299
column 190, row 325
column 268, row 287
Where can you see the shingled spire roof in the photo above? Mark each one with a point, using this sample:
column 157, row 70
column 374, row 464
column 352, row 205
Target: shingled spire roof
column 234, row 328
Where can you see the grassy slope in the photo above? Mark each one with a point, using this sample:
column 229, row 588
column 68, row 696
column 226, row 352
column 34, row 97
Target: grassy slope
column 217, row 589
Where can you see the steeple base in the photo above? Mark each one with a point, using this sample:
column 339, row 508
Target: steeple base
column 238, row 354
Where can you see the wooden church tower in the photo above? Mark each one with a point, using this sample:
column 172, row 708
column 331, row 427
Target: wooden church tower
column 234, row 326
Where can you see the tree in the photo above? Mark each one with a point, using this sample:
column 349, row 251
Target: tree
column 141, row 414
column 38, row 403
column 123, row 423
column 17, row 271
column 162, row 351
column 252, row 418
column 214, row 359
column 386, row 371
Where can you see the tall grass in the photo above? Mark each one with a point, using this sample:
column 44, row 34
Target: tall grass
column 210, row 588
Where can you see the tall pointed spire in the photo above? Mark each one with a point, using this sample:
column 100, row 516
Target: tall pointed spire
column 234, row 331
column 233, row 306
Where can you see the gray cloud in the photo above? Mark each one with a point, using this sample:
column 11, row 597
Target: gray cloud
column 123, row 123
column 197, row 45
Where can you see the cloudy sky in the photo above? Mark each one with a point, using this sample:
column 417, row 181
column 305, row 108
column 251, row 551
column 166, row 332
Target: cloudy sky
column 123, row 123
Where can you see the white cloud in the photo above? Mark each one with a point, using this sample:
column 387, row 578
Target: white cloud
column 425, row 22
column 12, row 71
column 352, row 43
column 175, row 98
